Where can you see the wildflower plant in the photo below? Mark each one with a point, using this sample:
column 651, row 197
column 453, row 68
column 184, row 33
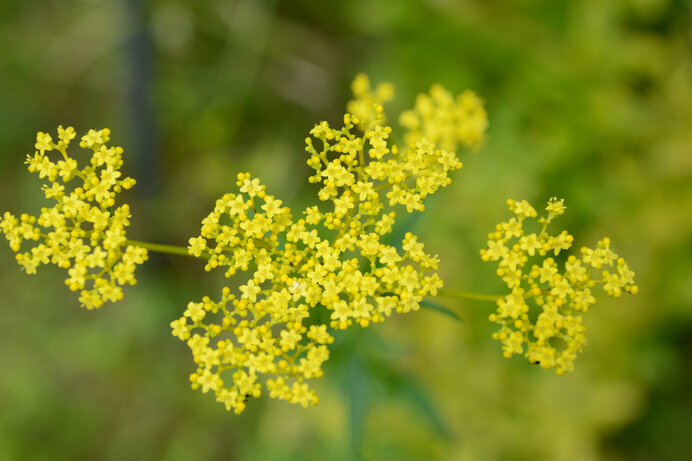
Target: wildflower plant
column 332, row 266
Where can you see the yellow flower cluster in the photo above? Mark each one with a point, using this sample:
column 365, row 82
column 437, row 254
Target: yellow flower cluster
column 542, row 316
column 445, row 120
column 366, row 98
column 326, row 270
column 81, row 232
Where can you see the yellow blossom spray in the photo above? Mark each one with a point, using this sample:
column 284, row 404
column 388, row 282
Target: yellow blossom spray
column 335, row 257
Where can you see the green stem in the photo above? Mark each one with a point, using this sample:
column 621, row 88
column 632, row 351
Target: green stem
column 161, row 248
column 468, row 295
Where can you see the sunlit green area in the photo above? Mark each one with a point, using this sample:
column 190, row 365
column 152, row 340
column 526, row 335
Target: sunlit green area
column 588, row 100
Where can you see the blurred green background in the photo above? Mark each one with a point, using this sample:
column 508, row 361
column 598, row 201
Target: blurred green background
column 588, row 100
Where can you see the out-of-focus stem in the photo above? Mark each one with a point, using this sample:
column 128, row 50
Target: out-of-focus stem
column 467, row 295
column 161, row 248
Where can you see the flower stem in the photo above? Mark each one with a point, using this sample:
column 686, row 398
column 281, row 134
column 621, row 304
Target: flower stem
column 161, row 248
column 467, row 295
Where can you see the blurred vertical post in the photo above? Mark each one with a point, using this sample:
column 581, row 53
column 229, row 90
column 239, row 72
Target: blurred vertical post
column 140, row 107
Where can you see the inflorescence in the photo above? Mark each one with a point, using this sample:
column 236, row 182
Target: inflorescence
column 82, row 232
column 445, row 120
column 332, row 266
column 542, row 316
column 322, row 271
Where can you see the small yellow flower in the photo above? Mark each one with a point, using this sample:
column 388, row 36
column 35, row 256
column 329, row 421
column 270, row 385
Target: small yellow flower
column 556, row 207
column 44, row 142
column 66, row 135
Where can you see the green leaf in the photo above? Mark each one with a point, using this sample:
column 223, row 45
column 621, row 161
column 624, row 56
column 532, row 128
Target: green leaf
column 440, row 308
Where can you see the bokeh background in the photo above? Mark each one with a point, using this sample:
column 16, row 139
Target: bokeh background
column 588, row 100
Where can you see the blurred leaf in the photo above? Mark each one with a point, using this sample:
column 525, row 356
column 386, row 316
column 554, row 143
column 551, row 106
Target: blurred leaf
column 357, row 394
column 441, row 309
column 413, row 392
column 405, row 386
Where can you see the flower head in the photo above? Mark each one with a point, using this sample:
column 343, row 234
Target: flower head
column 82, row 232
column 365, row 98
column 335, row 261
column 541, row 317
column 446, row 120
